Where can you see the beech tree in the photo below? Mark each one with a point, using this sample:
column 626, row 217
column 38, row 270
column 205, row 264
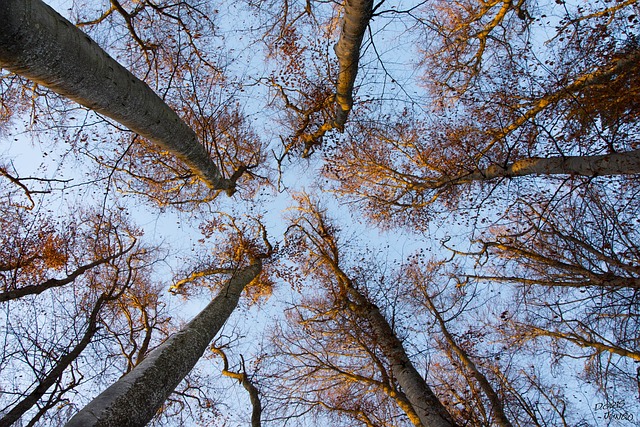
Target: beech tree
column 475, row 354
column 324, row 360
column 497, row 121
column 135, row 398
column 484, row 153
column 44, row 57
column 316, row 235
column 49, row 346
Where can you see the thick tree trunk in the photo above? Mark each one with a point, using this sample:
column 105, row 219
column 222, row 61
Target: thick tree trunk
column 424, row 402
column 624, row 163
column 324, row 246
column 357, row 14
column 38, row 43
column 135, row 398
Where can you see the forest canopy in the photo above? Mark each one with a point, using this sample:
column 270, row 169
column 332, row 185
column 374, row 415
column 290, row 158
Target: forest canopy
column 358, row 213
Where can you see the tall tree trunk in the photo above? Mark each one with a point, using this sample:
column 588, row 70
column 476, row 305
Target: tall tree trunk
column 135, row 398
column 38, row 43
column 424, row 402
column 624, row 163
column 325, row 250
column 357, row 14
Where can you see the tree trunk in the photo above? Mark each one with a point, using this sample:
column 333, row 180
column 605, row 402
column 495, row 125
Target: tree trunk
column 424, row 402
column 38, row 43
column 357, row 14
column 427, row 406
column 135, row 398
column 625, row 163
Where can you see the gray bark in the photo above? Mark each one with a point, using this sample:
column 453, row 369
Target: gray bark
column 624, row 163
column 357, row 14
column 135, row 398
column 425, row 403
column 38, row 43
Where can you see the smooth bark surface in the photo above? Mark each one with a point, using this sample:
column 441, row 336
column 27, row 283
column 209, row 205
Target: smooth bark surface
column 424, row 402
column 624, row 163
column 38, row 43
column 135, row 398
column 357, row 14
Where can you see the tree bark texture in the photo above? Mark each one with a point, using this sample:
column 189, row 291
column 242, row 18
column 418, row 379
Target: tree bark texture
column 424, row 402
column 38, row 43
column 135, row 398
column 623, row 163
column 357, row 14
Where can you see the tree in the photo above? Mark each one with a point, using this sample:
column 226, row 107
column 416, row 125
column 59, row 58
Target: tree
column 574, row 265
column 136, row 397
column 490, row 381
column 507, row 129
column 494, row 121
column 54, row 376
column 44, row 56
column 47, row 345
column 313, row 232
